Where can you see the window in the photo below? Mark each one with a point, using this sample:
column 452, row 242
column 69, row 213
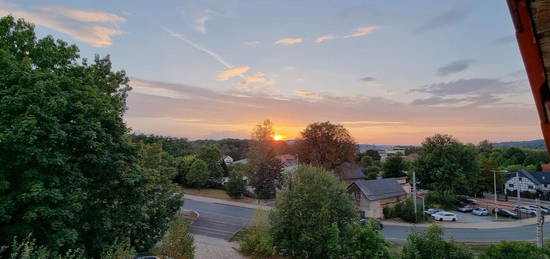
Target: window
column 530, row 186
column 545, row 185
column 519, row 179
column 511, row 185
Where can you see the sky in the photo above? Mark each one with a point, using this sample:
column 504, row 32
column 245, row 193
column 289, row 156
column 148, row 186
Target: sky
column 391, row 72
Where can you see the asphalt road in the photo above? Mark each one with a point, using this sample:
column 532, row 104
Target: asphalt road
column 222, row 221
column 218, row 220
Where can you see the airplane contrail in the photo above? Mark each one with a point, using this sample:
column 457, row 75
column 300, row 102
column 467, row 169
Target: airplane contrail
column 203, row 49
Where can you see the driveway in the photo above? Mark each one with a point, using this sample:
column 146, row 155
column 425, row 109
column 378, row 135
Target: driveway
column 218, row 220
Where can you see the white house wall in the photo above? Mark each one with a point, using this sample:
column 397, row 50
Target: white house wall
column 523, row 184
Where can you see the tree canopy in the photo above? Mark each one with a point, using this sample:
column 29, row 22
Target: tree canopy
column 446, row 164
column 312, row 215
column 327, row 145
column 394, row 166
column 69, row 175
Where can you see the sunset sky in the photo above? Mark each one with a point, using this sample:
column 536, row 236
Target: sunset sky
column 392, row 72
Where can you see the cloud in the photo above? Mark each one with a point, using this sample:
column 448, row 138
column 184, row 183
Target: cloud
column 445, row 19
column 203, row 112
column 200, row 23
column 251, row 43
column 505, row 40
column 362, row 31
column 467, row 92
column 368, row 79
column 310, row 95
column 468, row 86
column 454, row 67
column 325, row 38
column 254, row 81
column 232, row 72
column 84, row 25
column 81, row 15
column 289, row 41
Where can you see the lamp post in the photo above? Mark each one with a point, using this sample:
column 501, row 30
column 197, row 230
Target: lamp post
column 495, row 189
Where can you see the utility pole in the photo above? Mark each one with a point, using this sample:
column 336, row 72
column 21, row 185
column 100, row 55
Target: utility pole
column 495, row 186
column 540, row 225
column 518, row 189
column 414, row 194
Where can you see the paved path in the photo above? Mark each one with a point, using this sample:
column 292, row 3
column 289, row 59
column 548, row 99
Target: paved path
column 208, row 247
column 222, row 220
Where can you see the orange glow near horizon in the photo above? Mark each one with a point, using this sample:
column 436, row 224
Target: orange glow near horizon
column 278, row 137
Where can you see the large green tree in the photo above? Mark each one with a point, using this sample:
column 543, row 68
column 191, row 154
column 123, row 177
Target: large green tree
column 446, row 164
column 312, row 215
column 265, row 168
column 69, row 175
column 212, row 157
column 394, row 166
column 327, row 145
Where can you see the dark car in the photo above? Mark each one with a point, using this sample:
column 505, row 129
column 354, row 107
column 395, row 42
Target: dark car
column 505, row 213
column 366, row 220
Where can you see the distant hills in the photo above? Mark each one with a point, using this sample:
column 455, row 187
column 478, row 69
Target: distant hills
column 533, row 144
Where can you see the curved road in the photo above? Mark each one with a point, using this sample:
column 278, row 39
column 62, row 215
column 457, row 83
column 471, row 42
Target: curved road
column 222, row 221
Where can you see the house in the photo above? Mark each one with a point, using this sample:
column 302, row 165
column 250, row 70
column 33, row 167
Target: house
column 527, row 181
column 545, row 167
column 228, row 160
column 287, row 160
column 372, row 196
column 411, row 157
column 351, row 175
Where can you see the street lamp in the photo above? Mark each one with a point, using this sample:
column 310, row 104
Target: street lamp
column 495, row 187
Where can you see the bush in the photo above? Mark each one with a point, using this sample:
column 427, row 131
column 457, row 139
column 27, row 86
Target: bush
column 178, row 242
column 257, row 242
column 119, row 250
column 28, row 249
column 198, row 174
column 366, row 242
column 513, row 250
column 429, row 244
column 405, row 211
column 236, row 186
column 445, row 199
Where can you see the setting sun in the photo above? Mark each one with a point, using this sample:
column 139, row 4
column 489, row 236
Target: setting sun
column 278, row 137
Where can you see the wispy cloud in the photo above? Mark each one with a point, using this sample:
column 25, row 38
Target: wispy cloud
column 254, row 81
column 93, row 27
column 454, row 67
column 505, row 39
column 362, row 31
column 444, row 19
column 251, row 43
column 201, row 48
column 289, row 41
column 232, row 72
column 325, row 38
column 368, row 79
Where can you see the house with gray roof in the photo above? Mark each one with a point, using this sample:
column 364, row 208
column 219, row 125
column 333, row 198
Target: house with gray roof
column 372, row 196
column 528, row 181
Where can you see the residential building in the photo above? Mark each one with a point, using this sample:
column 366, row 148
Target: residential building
column 372, row 196
column 228, row 160
column 527, row 181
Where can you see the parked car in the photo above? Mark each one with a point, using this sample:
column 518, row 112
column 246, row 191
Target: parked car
column 431, row 211
column 471, row 201
column 480, row 212
column 526, row 210
column 505, row 213
column 543, row 210
column 378, row 222
column 444, row 216
column 466, row 208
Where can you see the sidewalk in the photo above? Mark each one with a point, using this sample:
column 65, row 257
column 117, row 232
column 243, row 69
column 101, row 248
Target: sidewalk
column 478, row 225
column 226, row 202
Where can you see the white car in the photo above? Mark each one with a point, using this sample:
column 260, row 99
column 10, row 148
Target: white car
column 542, row 209
column 526, row 210
column 480, row 212
column 444, row 216
column 431, row 211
